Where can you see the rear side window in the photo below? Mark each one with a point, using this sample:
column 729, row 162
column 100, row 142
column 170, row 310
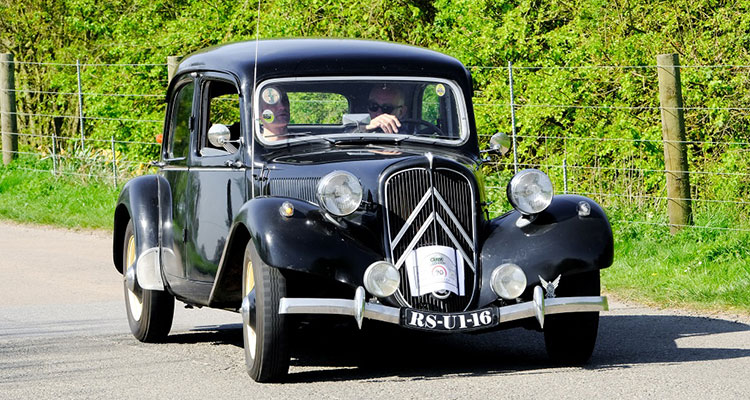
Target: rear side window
column 179, row 140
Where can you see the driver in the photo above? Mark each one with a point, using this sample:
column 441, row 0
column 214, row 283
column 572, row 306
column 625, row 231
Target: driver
column 386, row 106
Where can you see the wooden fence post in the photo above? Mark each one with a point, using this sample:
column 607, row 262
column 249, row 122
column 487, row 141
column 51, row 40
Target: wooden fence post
column 673, row 134
column 172, row 62
column 8, row 125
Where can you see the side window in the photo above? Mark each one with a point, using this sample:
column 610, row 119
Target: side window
column 179, row 140
column 221, row 109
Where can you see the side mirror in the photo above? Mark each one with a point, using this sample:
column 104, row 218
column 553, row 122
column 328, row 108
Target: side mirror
column 218, row 135
column 499, row 143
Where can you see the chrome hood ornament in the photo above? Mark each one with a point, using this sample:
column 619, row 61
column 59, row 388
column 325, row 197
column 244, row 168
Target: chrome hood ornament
column 550, row 287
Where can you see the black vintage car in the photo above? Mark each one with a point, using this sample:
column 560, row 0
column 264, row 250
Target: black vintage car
column 305, row 177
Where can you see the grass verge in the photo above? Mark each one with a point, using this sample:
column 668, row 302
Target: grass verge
column 697, row 268
column 67, row 201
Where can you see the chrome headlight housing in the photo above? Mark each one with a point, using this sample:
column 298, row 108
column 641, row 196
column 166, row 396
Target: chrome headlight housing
column 381, row 279
column 530, row 191
column 339, row 193
column 508, row 281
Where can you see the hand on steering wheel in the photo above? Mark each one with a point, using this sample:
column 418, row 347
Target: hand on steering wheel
column 431, row 128
column 386, row 122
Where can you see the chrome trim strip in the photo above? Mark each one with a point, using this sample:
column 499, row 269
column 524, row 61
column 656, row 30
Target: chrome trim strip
column 455, row 242
column 454, row 219
column 358, row 306
column 411, row 219
column 222, row 169
column 539, row 305
column 560, row 305
column 392, row 315
column 338, row 307
column 415, row 240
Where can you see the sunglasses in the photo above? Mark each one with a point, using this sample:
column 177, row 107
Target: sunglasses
column 386, row 108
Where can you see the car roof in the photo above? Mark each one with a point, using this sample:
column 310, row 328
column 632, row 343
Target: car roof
column 279, row 58
column 324, row 57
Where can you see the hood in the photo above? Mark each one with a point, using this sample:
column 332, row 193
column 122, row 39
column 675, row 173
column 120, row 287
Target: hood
column 294, row 173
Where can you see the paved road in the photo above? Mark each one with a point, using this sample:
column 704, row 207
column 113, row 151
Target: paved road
column 63, row 334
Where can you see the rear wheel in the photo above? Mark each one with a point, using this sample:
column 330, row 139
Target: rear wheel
column 150, row 312
column 570, row 337
column 265, row 330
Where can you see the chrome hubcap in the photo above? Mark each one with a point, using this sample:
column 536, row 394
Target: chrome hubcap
column 135, row 304
column 248, row 286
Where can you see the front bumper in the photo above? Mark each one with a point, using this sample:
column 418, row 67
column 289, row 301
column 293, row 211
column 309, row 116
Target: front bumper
column 359, row 309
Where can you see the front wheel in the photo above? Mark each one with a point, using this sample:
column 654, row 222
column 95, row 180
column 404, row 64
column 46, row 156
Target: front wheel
column 264, row 330
column 150, row 312
column 570, row 337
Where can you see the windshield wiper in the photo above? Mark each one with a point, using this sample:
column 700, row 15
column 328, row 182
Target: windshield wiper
column 309, row 134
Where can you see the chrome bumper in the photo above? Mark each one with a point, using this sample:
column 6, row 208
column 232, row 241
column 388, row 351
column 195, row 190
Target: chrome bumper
column 359, row 309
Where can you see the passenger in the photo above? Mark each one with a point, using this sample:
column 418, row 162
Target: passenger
column 274, row 113
column 386, row 105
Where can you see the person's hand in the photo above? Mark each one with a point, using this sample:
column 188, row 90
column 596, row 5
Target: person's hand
column 386, row 122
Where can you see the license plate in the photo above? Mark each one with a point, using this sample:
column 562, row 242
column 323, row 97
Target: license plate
column 449, row 322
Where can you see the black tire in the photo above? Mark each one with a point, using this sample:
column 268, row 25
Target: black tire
column 150, row 312
column 570, row 338
column 265, row 338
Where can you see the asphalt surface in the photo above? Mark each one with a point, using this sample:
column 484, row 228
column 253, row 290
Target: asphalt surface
column 64, row 334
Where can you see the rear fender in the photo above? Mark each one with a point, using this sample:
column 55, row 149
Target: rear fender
column 139, row 201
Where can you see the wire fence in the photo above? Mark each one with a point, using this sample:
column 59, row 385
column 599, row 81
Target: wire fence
column 623, row 171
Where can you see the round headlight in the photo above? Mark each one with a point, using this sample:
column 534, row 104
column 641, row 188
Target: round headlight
column 339, row 193
column 530, row 191
column 508, row 281
column 382, row 279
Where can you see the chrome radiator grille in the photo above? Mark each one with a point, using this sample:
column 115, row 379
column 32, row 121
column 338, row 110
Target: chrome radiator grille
column 431, row 207
column 298, row 188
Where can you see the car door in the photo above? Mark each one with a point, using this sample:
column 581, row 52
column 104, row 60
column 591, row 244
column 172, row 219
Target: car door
column 216, row 186
column 180, row 124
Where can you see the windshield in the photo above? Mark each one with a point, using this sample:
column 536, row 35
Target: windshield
column 301, row 109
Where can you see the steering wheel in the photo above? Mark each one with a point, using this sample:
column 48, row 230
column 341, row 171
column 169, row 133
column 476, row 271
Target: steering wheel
column 430, row 127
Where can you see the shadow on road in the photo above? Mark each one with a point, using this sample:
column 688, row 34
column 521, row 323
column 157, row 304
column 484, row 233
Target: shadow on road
column 346, row 353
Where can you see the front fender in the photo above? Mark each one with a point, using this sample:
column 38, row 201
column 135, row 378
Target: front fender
column 139, row 201
column 558, row 241
column 308, row 241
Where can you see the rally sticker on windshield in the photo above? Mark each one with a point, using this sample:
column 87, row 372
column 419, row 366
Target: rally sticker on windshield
column 440, row 90
column 435, row 269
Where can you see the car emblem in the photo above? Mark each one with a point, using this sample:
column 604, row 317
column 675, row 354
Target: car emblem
column 550, row 287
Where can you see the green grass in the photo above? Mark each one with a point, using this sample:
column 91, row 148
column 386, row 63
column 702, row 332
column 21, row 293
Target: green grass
column 705, row 269
column 67, row 201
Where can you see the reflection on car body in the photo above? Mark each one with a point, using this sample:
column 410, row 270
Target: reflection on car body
column 345, row 178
